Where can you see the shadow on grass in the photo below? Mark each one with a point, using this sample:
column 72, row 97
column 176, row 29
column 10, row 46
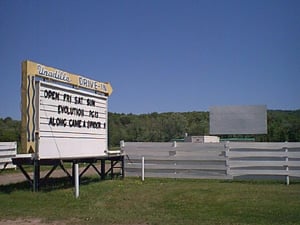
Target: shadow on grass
column 262, row 180
column 51, row 184
column 8, row 188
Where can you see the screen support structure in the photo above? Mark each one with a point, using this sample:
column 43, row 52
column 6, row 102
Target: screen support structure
column 115, row 168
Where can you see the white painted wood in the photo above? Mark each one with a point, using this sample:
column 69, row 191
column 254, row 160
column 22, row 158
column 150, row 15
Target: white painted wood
column 245, row 163
column 242, row 172
column 7, row 151
column 196, row 160
column 239, row 154
column 83, row 128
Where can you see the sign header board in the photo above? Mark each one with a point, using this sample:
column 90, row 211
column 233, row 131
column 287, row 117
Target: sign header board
column 47, row 72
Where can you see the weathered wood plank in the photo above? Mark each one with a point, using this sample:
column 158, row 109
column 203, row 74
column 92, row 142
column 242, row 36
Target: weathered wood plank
column 236, row 154
column 175, row 166
column 294, row 173
column 199, row 160
column 242, row 172
column 244, row 163
column 7, row 151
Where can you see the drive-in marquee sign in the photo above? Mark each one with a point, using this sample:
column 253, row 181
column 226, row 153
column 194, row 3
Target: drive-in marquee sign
column 63, row 115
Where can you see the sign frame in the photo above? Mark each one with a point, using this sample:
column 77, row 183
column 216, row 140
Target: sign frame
column 33, row 72
column 71, row 123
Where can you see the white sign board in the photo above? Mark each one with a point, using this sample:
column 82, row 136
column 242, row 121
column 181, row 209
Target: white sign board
column 71, row 123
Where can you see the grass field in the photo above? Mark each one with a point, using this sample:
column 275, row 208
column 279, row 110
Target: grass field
column 155, row 201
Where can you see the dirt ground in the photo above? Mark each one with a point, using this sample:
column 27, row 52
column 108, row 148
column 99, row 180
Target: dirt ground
column 39, row 222
column 12, row 178
column 28, row 222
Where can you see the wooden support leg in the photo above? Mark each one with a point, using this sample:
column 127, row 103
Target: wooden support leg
column 103, row 169
column 36, row 177
column 112, row 169
column 123, row 166
column 73, row 173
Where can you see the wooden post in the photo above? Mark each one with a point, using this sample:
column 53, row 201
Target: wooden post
column 36, row 162
column 123, row 166
column 287, row 166
column 102, row 169
column 111, row 168
column 36, row 176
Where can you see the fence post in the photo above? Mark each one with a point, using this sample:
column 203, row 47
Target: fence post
column 122, row 143
column 227, row 149
column 143, row 168
column 174, row 144
column 287, row 165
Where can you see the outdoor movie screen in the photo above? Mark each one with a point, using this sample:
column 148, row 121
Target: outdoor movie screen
column 238, row 119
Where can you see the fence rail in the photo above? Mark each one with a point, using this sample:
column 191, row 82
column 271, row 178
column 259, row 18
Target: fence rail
column 7, row 151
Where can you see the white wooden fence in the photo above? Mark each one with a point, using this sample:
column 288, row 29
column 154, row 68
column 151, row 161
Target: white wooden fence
column 212, row 160
column 7, row 151
column 175, row 160
column 263, row 159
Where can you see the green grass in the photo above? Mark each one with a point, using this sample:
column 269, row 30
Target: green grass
column 155, row 201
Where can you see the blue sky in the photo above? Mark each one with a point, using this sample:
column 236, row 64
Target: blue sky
column 159, row 55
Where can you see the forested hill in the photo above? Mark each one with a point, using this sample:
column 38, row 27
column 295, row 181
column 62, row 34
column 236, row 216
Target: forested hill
column 282, row 126
column 9, row 130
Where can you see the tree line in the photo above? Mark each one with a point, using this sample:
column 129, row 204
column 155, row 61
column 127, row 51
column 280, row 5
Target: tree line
column 162, row 127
